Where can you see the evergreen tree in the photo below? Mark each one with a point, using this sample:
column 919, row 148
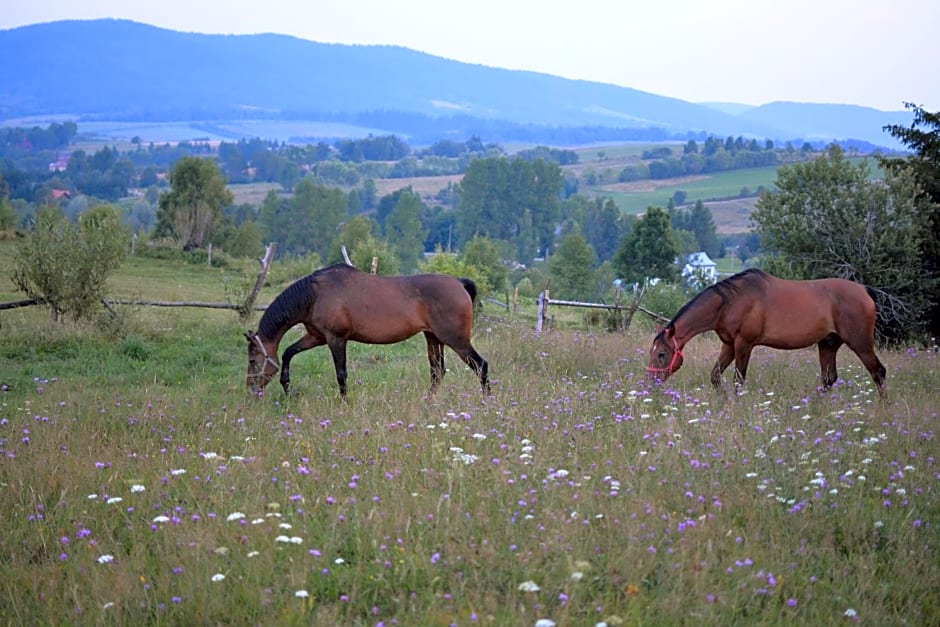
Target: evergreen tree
column 648, row 251
column 702, row 224
column 923, row 139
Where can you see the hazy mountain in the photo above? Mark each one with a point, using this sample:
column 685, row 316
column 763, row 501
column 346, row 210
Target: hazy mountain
column 116, row 69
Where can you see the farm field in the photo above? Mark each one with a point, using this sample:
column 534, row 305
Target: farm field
column 140, row 485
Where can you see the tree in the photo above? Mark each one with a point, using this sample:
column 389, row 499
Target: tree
column 247, row 242
column 703, row 225
column 65, row 265
column 194, row 204
column 923, row 138
column 572, row 267
column 828, row 218
column 404, row 231
column 359, row 236
column 603, row 227
column 7, row 212
column 313, row 217
column 648, row 251
column 495, row 194
column 483, row 253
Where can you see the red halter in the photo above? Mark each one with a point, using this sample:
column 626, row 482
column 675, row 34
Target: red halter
column 676, row 354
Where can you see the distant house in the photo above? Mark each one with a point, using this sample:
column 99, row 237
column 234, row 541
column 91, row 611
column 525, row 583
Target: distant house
column 700, row 267
column 61, row 163
column 59, row 194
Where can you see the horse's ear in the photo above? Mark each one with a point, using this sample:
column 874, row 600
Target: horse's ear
column 658, row 327
column 249, row 335
column 670, row 330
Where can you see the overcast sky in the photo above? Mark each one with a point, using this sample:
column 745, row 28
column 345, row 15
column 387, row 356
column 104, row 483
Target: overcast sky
column 866, row 52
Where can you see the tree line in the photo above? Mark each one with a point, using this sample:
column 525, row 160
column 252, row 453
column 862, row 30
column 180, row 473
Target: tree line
column 826, row 217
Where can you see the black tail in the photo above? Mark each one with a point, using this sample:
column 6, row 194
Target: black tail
column 471, row 288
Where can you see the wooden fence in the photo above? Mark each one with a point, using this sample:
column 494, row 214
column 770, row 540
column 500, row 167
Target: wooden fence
column 544, row 301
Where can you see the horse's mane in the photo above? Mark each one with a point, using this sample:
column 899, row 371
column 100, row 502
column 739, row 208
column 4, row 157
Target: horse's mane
column 290, row 305
column 725, row 289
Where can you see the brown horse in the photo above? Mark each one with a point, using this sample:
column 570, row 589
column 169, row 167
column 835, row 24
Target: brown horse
column 339, row 304
column 753, row 308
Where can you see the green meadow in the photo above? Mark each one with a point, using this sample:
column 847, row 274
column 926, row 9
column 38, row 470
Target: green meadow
column 140, row 485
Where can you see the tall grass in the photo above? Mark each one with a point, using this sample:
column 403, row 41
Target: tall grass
column 139, row 484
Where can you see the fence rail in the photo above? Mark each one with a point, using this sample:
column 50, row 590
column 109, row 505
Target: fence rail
column 544, row 301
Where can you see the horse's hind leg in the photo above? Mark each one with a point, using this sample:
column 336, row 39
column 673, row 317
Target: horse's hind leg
column 338, row 349
column 473, row 359
column 435, row 359
column 874, row 366
column 828, row 347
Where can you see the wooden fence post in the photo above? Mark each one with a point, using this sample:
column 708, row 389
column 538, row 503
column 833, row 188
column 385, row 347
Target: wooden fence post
column 249, row 304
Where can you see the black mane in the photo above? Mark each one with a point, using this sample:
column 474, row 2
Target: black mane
column 291, row 304
column 725, row 289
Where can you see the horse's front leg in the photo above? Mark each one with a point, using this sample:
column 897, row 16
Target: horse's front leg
column 307, row 342
column 338, row 349
column 725, row 357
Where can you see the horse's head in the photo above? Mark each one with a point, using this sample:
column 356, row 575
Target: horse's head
column 262, row 365
column 665, row 354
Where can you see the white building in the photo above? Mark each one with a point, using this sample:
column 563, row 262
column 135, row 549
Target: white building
column 700, row 267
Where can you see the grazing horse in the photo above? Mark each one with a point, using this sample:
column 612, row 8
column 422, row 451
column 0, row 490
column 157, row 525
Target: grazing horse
column 339, row 304
column 753, row 308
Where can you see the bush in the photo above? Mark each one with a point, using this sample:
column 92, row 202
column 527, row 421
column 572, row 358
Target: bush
column 64, row 265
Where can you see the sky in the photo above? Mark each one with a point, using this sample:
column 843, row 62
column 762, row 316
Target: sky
column 864, row 52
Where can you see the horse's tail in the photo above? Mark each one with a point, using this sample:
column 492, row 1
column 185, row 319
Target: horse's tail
column 471, row 288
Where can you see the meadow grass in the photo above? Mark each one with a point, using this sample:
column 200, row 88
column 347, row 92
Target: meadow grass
column 140, row 485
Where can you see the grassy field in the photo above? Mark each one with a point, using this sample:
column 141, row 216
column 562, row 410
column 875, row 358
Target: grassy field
column 140, row 485
column 637, row 198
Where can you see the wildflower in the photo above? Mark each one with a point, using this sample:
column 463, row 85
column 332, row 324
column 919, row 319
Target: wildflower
column 218, row 577
column 235, row 516
column 113, row 500
column 105, row 559
column 544, row 622
column 137, row 488
column 850, row 613
column 529, row 586
column 301, row 594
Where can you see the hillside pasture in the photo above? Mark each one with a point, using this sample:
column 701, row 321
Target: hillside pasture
column 140, row 485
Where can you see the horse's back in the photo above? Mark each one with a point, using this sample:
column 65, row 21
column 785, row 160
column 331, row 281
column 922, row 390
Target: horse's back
column 387, row 309
column 801, row 313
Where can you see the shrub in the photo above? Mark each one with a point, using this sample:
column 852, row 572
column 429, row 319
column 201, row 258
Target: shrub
column 64, row 265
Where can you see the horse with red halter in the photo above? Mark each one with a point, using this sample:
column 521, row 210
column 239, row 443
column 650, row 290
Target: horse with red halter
column 340, row 304
column 753, row 308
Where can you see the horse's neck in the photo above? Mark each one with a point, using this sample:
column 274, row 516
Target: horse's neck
column 273, row 330
column 700, row 317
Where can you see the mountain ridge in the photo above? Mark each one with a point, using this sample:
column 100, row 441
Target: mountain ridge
column 120, row 69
